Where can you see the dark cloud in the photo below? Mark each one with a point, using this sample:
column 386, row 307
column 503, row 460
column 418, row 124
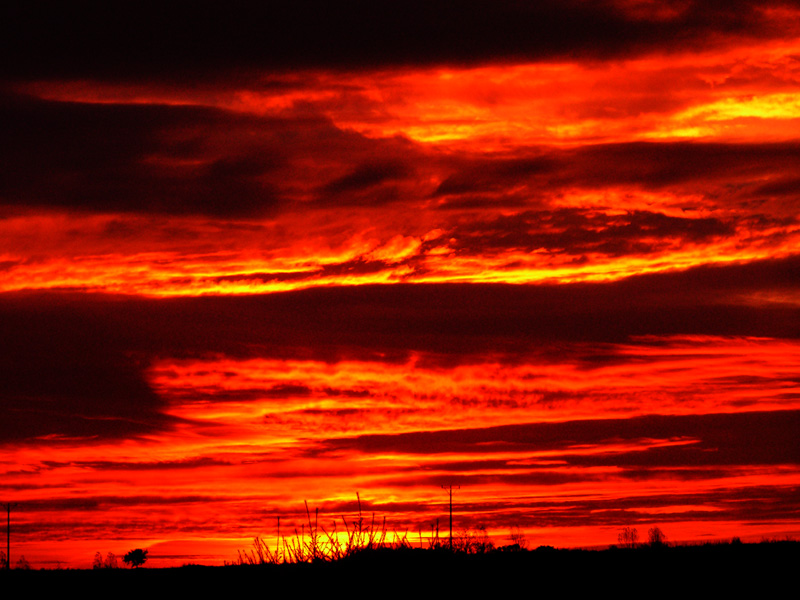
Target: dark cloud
column 64, row 375
column 730, row 504
column 200, row 462
column 354, row 267
column 783, row 186
column 492, row 174
column 656, row 165
column 222, row 394
column 258, row 277
column 101, row 501
column 135, row 158
column 580, row 231
column 741, row 168
column 367, row 176
column 466, row 479
column 183, row 40
column 432, row 317
column 516, row 472
column 6, row 265
column 184, row 160
column 73, row 364
column 347, row 393
column 740, row 504
column 358, row 266
column 755, row 438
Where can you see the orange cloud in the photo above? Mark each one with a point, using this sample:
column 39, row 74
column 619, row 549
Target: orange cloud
column 556, row 266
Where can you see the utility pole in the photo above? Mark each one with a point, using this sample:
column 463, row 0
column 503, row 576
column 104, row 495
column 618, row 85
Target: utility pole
column 449, row 489
column 8, row 534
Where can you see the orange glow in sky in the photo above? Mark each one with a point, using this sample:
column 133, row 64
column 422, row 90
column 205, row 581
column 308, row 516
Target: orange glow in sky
column 559, row 269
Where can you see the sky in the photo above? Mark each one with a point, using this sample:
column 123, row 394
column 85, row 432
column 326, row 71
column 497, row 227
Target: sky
column 258, row 254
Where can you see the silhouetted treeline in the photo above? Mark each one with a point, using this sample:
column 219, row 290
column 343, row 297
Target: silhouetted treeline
column 696, row 570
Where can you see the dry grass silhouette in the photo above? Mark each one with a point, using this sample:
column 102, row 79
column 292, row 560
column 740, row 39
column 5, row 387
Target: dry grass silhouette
column 318, row 544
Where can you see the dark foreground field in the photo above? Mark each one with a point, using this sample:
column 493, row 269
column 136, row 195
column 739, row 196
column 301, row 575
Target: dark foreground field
column 766, row 569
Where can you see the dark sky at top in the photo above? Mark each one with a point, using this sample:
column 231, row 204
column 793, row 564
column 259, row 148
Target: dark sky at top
column 258, row 252
column 189, row 40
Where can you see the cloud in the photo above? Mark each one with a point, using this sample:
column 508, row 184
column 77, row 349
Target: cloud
column 171, row 159
column 431, row 317
column 65, row 376
column 579, row 231
column 695, row 168
column 754, row 438
column 200, row 462
column 146, row 39
column 134, row 158
column 367, row 176
column 740, row 505
column 96, row 502
column 76, row 363
column 187, row 160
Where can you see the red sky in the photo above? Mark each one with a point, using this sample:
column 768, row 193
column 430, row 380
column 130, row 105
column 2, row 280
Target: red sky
column 547, row 252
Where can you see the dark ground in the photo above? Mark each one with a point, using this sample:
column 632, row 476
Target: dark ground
column 766, row 569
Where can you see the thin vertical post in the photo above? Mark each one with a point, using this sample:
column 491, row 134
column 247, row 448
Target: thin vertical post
column 8, row 534
column 449, row 489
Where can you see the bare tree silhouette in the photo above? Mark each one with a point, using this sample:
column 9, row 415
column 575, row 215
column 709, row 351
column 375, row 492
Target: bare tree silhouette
column 517, row 537
column 656, row 538
column 628, row 537
column 473, row 541
column 109, row 562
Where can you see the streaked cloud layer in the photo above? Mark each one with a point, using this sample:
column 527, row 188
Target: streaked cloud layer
column 549, row 253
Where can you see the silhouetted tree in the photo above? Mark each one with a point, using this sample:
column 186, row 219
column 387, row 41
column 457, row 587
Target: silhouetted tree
column 135, row 558
column 628, row 537
column 518, row 538
column 23, row 564
column 473, row 541
column 110, row 561
column 656, row 538
column 3, row 560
